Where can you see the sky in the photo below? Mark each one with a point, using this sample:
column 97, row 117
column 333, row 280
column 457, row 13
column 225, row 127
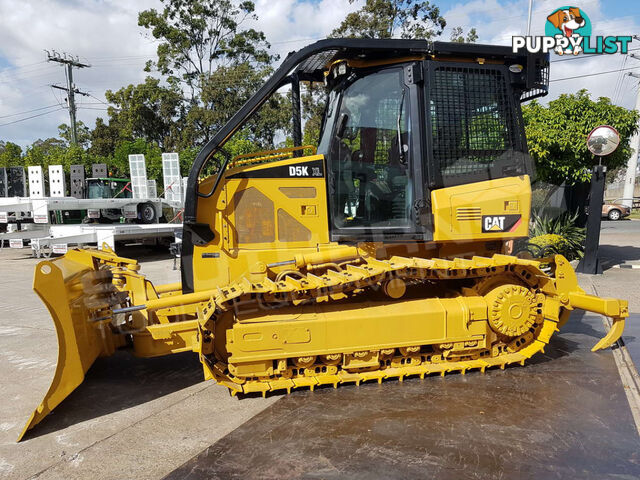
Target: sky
column 106, row 35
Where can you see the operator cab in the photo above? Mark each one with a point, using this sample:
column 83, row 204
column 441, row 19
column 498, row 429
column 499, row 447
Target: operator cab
column 394, row 132
column 108, row 188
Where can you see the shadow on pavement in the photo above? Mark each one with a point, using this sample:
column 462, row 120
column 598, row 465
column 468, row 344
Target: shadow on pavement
column 611, row 255
column 119, row 382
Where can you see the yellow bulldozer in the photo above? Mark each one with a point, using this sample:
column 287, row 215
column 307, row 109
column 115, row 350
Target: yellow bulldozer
column 383, row 253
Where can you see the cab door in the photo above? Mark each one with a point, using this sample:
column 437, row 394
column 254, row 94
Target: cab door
column 374, row 157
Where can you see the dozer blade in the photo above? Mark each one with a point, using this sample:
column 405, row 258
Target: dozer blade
column 71, row 289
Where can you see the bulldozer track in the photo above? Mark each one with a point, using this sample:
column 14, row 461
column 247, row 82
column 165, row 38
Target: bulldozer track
column 356, row 278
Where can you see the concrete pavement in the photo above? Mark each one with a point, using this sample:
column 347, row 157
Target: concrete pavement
column 131, row 418
column 562, row 416
column 619, row 243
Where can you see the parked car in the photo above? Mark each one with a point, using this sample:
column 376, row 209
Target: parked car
column 615, row 211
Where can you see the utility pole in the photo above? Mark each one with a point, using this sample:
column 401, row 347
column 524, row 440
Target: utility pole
column 69, row 62
column 632, row 163
column 529, row 17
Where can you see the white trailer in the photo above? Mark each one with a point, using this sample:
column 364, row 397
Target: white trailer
column 15, row 238
column 150, row 208
column 63, row 237
column 145, row 207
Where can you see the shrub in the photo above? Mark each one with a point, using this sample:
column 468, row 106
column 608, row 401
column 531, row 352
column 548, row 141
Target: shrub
column 549, row 244
column 557, row 234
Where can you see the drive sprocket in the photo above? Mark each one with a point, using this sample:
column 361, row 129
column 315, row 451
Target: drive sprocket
column 512, row 309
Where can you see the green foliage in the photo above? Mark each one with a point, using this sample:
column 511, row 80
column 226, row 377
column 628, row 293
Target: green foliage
column 398, row 18
column 551, row 244
column 389, row 18
column 83, row 133
column 104, row 139
column 10, row 154
column 148, row 110
column 557, row 234
column 313, row 102
column 119, row 163
column 45, row 152
column 223, row 93
column 196, row 36
column 458, row 36
column 557, row 135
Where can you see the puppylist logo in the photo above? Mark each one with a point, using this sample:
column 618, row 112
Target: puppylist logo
column 568, row 31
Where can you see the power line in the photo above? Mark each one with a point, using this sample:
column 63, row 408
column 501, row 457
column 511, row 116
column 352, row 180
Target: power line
column 619, row 80
column 592, row 74
column 26, row 70
column 105, row 103
column 15, row 67
column 97, row 108
column 32, row 116
column 30, row 111
column 589, row 55
column 8, row 79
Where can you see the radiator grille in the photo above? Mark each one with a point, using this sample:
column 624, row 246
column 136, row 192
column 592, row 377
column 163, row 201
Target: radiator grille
column 255, row 219
column 468, row 214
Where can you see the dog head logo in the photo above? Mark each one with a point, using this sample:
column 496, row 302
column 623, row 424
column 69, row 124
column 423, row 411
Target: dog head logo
column 569, row 22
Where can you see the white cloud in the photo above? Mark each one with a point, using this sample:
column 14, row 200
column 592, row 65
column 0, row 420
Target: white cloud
column 105, row 33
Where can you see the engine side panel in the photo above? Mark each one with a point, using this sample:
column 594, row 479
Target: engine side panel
column 490, row 210
column 266, row 213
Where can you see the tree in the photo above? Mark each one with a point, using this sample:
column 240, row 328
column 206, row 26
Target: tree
column 148, row 110
column 223, row 93
column 392, row 18
column 45, row 152
column 119, row 163
column 104, row 139
column 557, row 133
column 398, row 19
column 197, row 36
column 83, row 133
column 313, row 104
column 207, row 52
column 10, row 154
column 457, row 35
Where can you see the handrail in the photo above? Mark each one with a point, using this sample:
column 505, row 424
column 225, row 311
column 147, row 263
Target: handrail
column 269, row 154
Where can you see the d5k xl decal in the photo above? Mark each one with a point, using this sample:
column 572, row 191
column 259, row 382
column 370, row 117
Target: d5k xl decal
column 311, row 169
column 500, row 223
